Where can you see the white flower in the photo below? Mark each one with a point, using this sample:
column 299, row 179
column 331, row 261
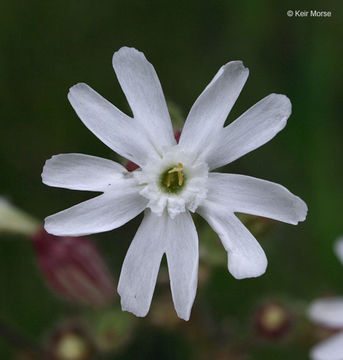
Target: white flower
column 173, row 179
column 329, row 313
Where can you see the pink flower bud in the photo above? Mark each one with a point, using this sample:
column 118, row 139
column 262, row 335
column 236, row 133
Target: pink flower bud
column 74, row 269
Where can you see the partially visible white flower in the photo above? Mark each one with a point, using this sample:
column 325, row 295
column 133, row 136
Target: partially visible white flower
column 338, row 249
column 329, row 313
column 14, row 220
column 173, row 179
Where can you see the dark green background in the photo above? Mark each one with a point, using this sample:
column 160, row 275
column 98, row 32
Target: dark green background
column 48, row 46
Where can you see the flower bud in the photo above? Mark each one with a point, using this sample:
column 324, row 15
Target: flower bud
column 74, row 269
column 112, row 329
column 14, row 220
column 70, row 342
column 272, row 320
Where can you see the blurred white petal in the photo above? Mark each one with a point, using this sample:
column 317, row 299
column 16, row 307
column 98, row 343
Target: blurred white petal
column 330, row 349
column 338, row 249
column 327, row 312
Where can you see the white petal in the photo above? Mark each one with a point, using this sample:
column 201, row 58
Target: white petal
column 327, row 312
column 102, row 213
column 252, row 129
column 338, row 249
column 331, row 349
column 249, row 195
column 115, row 129
column 82, row 172
column 208, row 114
column 157, row 235
column 143, row 91
column 246, row 258
column 183, row 258
column 142, row 262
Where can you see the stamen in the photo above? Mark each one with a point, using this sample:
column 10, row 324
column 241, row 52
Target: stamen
column 179, row 174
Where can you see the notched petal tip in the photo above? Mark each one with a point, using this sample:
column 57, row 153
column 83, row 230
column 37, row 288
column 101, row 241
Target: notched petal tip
column 125, row 52
column 45, row 170
column 133, row 311
column 78, row 93
column 300, row 210
column 81, row 86
column 184, row 316
column 235, row 66
column 232, row 68
column 131, row 306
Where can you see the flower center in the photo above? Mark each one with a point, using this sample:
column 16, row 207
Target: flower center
column 174, row 183
column 173, row 179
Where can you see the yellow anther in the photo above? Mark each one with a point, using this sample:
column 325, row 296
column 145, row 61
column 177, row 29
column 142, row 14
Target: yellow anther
column 179, row 174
